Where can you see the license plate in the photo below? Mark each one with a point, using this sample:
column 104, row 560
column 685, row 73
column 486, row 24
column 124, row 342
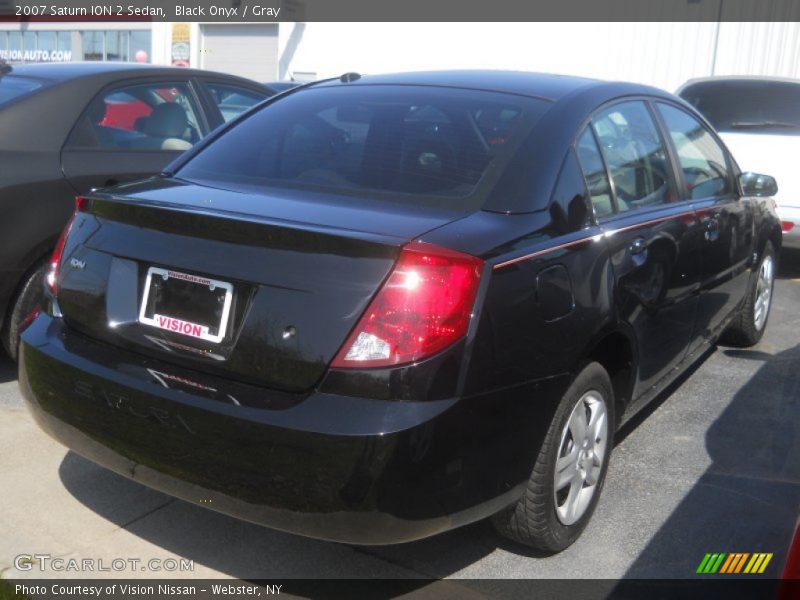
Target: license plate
column 186, row 304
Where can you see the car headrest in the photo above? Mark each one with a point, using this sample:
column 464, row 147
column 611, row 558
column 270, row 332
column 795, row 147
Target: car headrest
column 167, row 120
column 97, row 111
column 432, row 158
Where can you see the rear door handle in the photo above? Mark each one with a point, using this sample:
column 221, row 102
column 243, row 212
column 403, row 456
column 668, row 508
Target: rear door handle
column 638, row 246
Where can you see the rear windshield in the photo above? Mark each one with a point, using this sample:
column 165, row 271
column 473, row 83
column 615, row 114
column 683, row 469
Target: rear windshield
column 758, row 106
column 13, row 86
column 401, row 142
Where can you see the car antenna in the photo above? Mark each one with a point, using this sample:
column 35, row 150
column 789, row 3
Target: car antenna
column 350, row 77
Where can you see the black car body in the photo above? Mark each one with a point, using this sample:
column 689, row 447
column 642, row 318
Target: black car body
column 440, row 284
column 68, row 128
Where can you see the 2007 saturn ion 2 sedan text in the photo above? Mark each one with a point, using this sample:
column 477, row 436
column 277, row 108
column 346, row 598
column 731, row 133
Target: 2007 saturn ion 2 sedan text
column 378, row 308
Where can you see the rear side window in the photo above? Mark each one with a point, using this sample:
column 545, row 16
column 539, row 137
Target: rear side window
column 595, row 174
column 157, row 116
column 233, row 100
column 702, row 159
column 379, row 139
column 748, row 105
column 13, row 87
column 635, row 155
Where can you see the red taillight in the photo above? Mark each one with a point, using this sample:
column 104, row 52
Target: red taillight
column 787, row 226
column 54, row 264
column 424, row 306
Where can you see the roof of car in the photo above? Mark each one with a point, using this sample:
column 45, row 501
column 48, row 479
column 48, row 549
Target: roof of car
column 726, row 78
column 540, row 85
column 73, row 70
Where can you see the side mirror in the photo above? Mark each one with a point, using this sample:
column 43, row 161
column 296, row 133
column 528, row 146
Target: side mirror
column 756, row 184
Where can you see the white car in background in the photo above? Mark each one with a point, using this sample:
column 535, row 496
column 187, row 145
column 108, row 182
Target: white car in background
column 758, row 118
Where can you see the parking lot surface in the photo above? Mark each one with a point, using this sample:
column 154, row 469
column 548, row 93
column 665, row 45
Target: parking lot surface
column 713, row 466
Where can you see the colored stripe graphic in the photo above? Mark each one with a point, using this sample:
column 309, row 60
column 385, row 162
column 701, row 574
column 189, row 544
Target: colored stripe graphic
column 727, row 564
column 703, row 563
column 711, row 563
column 734, row 562
column 741, row 562
column 758, row 563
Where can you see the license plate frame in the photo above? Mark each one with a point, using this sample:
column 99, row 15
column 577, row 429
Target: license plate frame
column 174, row 324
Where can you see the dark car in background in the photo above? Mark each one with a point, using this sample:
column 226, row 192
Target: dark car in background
column 389, row 306
column 68, row 128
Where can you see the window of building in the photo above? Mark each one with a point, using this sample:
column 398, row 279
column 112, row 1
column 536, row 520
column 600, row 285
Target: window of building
column 140, row 45
column 57, row 46
column 36, row 46
column 93, row 45
column 116, row 45
column 64, row 40
column 46, row 41
column 14, row 41
column 29, row 41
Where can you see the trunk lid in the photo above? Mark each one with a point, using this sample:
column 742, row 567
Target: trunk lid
column 301, row 269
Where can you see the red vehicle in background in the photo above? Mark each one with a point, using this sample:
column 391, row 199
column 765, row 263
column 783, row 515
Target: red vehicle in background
column 790, row 584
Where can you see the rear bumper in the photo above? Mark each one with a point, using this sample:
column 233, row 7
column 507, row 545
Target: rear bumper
column 332, row 467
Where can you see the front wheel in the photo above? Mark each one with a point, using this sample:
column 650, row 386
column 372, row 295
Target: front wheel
column 749, row 325
column 570, row 469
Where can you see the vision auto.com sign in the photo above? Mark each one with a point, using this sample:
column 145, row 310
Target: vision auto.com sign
column 36, row 55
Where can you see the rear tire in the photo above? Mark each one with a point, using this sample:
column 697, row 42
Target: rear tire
column 749, row 325
column 27, row 299
column 566, row 481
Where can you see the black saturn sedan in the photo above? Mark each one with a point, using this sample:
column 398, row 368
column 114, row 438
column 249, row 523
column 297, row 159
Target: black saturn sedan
column 385, row 307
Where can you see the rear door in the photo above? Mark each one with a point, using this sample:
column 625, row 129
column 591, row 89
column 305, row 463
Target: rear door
column 132, row 130
column 651, row 231
column 727, row 220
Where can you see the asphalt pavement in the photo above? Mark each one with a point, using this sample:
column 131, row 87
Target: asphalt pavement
column 712, row 466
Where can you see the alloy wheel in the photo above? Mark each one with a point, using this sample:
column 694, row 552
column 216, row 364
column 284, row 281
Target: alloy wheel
column 582, row 451
column 766, row 275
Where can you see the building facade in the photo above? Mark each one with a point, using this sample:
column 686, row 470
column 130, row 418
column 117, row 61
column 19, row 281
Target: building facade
column 248, row 49
column 664, row 54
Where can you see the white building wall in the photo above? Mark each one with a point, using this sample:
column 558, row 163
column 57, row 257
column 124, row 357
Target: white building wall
column 162, row 43
column 759, row 49
column 663, row 54
column 660, row 54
